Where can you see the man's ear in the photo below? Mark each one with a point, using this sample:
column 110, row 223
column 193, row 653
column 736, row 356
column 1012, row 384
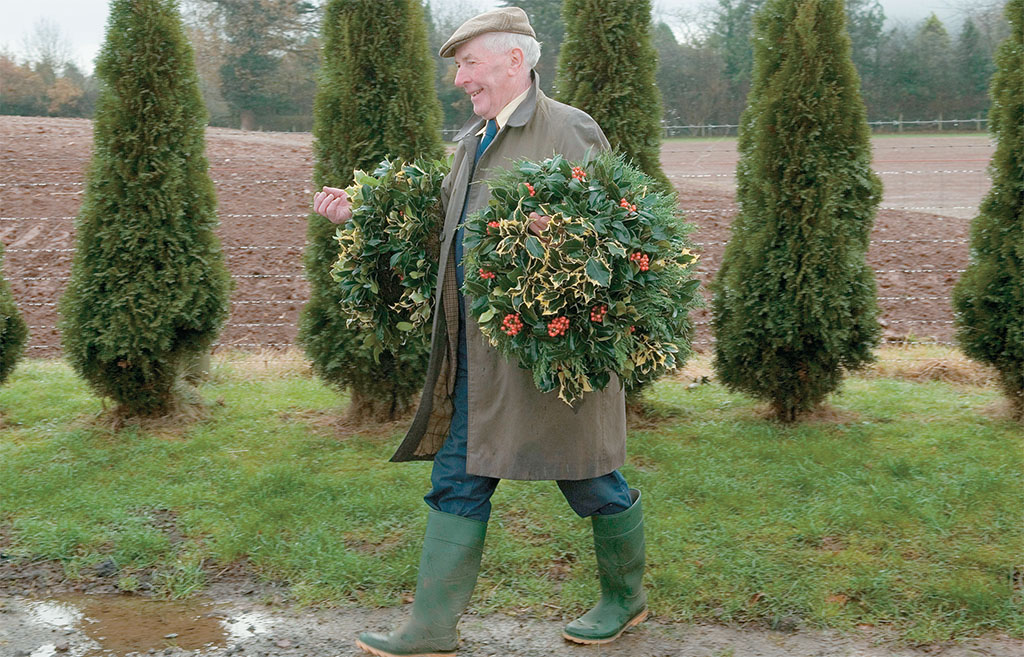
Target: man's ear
column 515, row 61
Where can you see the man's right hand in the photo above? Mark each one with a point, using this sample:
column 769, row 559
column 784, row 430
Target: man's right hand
column 539, row 222
column 334, row 204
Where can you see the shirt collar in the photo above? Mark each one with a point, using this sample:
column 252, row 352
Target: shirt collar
column 506, row 111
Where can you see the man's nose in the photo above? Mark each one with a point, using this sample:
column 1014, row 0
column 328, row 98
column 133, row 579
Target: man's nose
column 460, row 77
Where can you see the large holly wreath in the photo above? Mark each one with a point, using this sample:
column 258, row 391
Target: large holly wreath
column 606, row 287
column 387, row 265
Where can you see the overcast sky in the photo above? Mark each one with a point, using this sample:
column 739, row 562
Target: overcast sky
column 82, row 22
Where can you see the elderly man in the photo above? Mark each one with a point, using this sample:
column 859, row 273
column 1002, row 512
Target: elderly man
column 481, row 419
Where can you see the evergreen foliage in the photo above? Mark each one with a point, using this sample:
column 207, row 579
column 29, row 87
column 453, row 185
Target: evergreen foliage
column 794, row 299
column 989, row 297
column 974, row 69
column 149, row 286
column 607, row 69
column 375, row 98
column 389, row 251
column 13, row 332
column 610, row 291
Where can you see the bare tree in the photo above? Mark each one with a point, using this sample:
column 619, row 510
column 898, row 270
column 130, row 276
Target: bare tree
column 47, row 49
column 202, row 24
column 989, row 18
column 690, row 25
column 447, row 15
column 444, row 17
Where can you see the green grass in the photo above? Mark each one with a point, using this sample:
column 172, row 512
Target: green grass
column 901, row 509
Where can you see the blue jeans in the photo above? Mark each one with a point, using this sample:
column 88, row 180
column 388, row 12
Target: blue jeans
column 457, row 492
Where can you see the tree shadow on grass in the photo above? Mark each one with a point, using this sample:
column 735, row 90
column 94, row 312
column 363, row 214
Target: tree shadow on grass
column 340, row 425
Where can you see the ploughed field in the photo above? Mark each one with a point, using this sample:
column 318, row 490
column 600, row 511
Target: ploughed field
column 933, row 184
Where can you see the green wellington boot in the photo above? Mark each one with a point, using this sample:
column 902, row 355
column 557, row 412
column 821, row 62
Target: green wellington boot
column 619, row 544
column 449, row 564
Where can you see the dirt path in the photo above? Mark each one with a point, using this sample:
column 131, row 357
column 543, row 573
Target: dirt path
column 236, row 624
column 44, row 614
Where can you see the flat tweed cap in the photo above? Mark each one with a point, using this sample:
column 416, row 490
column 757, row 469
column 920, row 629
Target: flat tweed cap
column 506, row 19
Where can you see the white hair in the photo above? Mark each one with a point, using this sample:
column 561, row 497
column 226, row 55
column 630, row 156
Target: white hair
column 503, row 42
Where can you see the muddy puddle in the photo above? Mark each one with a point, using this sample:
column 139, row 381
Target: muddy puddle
column 239, row 626
column 117, row 626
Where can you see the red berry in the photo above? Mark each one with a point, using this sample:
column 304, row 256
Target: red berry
column 642, row 259
column 558, row 326
column 512, row 324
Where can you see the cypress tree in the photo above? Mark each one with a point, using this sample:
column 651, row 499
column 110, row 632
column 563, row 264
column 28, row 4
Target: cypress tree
column 149, row 287
column 375, row 98
column 13, row 332
column 794, row 301
column 606, row 67
column 989, row 297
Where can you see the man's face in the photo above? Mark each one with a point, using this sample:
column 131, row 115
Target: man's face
column 488, row 77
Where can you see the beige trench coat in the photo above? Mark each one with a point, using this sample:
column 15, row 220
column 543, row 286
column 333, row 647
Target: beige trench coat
column 515, row 431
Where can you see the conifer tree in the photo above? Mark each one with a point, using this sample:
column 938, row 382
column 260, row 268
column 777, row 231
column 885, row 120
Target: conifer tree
column 375, row 97
column 606, row 67
column 149, row 287
column 794, row 303
column 989, row 297
column 13, row 332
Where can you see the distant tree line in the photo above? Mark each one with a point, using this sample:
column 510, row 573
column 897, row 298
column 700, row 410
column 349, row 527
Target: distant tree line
column 45, row 82
column 917, row 72
column 258, row 62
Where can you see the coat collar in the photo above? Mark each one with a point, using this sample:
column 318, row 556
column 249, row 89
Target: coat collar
column 519, row 117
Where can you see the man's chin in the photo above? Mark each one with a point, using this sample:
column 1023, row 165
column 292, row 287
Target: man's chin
column 480, row 110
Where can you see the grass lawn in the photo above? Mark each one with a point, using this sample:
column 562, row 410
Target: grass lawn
column 899, row 506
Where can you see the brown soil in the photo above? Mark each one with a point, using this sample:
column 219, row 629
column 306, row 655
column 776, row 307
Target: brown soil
column 264, row 186
column 264, row 190
column 933, row 185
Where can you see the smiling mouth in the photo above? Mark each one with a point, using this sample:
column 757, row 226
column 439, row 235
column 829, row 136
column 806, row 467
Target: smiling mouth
column 476, row 93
